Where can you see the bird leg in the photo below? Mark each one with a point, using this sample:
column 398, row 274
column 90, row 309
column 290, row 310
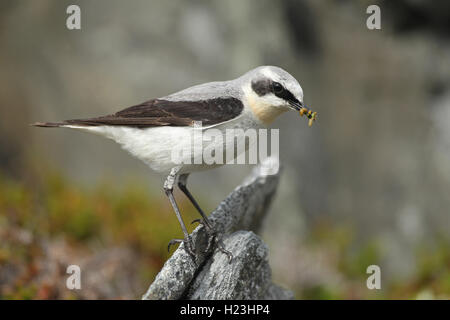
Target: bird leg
column 168, row 188
column 212, row 235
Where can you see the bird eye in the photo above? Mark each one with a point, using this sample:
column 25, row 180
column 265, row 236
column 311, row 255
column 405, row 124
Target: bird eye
column 277, row 87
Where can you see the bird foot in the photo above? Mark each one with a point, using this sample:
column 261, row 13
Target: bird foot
column 188, row 246
column 212, row 237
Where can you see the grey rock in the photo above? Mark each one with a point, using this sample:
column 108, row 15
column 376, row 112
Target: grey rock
column 248, row 277
column 212, row 276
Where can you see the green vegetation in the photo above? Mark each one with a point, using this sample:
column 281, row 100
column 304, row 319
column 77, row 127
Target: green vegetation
column 121, row 237
column 35, row 215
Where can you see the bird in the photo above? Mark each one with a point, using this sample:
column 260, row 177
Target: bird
column 151, row 130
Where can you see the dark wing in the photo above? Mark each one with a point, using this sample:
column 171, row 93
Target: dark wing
column 158, row 112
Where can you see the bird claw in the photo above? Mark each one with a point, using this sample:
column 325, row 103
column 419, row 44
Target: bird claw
column 204, row 223
column 188, row 246
column 221, row 247
column 212, row 236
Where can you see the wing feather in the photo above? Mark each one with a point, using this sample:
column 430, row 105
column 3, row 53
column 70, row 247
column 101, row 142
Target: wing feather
column 158, row 112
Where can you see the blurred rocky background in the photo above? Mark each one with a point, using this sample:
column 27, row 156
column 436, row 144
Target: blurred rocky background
column 368, row 184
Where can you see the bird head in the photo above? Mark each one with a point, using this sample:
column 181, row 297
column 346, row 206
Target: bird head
column 270, row 91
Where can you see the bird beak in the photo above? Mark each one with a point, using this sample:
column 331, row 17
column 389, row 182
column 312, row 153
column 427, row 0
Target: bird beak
column 296, row 105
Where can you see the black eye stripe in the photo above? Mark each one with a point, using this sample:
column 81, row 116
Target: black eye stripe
column 286, row 95
column 266, row 86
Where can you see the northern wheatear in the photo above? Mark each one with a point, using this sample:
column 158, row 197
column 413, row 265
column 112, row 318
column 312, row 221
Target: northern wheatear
column 151, row 130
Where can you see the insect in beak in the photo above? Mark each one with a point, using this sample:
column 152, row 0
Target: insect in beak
column 312, row 116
